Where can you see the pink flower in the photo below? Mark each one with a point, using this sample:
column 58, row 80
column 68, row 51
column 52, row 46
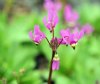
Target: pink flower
column 51, row 21
column 71, row 38
column 48, row 5
column 37, row 36
column 55, row 64
column 87, row 29
column 70, row 16
column 65, row 35
column 75, row 37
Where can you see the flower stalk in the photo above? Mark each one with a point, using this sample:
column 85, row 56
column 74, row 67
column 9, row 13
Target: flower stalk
column 50, row 70
column 53, row 54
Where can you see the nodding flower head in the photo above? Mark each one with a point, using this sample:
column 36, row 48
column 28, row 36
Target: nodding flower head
column 72, row 38
column 55, row 64
column 51, row 21
column 75, row 36
column 70, row 15
column 65, row 35
column 37, row 36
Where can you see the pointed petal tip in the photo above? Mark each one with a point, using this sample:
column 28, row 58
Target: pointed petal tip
column 36, row 44
column 66, row 45
column 74, row 48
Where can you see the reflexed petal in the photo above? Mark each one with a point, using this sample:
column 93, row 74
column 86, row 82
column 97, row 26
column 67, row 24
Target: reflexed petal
column 47, row 24
column 87, row 29
column 50, row 15
column 76, row 34
column 52, row 5
column 38, row 32
column 58, row 6
column 65, row 32
column 72, row 39
column 31, row 34
column 36, row 29
column 71, row 16
column 56, row 19
column 52, row 18
column 45, row 21
column 65, row 35
column 37, row 36
column 67, row 12
column 81, row 34
column 75, row 16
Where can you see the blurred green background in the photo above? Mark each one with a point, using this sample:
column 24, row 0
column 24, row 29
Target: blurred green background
column 22, row 62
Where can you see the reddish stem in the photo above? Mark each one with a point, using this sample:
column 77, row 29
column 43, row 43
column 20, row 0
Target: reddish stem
column 48, row 41
column 50, row 71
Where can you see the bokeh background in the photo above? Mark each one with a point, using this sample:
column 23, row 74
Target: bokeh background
column 22, row 62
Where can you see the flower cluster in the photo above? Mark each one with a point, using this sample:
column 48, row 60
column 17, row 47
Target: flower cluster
column 69, row 36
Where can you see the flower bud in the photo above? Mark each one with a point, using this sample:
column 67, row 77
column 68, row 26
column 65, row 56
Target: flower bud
column 55, row 64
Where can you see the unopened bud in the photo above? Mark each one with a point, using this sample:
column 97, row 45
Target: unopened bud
column 55, row 64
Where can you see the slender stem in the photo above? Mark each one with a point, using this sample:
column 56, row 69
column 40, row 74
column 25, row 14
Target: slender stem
column 48, row 41
column 53, row 33
column 53, row 53
column 50, row 71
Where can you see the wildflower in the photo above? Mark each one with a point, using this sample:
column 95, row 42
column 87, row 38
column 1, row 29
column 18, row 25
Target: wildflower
column 48, row 5
column 51, row 21
column 87, row 29
column 72, row 38
column 37, row 36
column 55, row 64
column 71, row 16
column 68, row 37
column 65, row 35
